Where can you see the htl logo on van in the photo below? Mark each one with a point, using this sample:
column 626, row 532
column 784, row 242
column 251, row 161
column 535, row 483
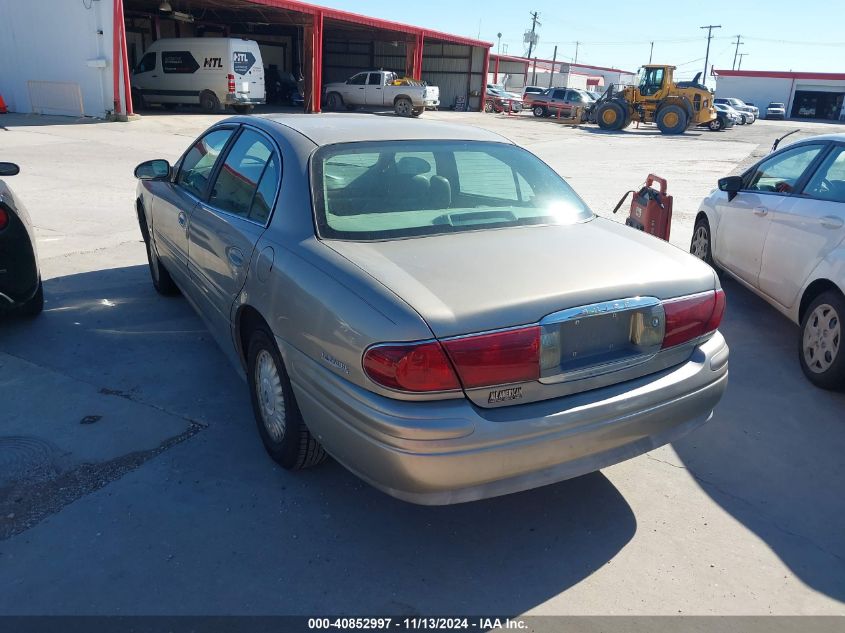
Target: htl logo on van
column 213, row 62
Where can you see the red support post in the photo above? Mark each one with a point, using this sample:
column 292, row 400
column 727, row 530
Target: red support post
column 485, row 70
column 127, row 87
column 313, row 50
column 496, row 71
column 418, row 60
column 116, row 13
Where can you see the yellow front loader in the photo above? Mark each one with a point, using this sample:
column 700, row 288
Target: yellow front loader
column 674, row 107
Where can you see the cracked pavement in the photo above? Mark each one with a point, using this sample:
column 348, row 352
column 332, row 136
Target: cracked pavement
column 132, row 480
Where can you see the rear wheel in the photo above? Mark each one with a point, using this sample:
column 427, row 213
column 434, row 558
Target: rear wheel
column 403, row 107
column 34, row 306
column 672, row 119
column 820, row 346
column 242, row 109
column 138, row 101
column 283, row 432
column 209, row 102
column 611, row 116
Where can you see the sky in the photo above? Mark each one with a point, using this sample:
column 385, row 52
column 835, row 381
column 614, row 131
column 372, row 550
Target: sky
column 776, row 35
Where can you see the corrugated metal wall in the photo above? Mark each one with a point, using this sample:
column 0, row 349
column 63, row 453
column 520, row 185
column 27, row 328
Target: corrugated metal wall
column 344, row 58
column 511, row 74
column 457, row 70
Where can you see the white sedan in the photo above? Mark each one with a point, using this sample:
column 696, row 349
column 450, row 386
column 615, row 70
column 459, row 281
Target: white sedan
column 779, row 229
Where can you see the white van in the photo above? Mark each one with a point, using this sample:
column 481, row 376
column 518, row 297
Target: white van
column 213, row 72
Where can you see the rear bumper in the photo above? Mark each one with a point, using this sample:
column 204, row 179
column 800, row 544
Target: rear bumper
column 241, row 99
column 432, row 103
column 450, row 451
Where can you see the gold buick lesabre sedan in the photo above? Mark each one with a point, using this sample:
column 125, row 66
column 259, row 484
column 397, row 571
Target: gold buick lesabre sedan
column 430, row 304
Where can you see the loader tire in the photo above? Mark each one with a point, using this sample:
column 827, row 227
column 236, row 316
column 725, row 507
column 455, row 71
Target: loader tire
column 672, row 119
column 610, row 116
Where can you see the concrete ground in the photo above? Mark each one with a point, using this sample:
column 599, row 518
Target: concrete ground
column 132, row 480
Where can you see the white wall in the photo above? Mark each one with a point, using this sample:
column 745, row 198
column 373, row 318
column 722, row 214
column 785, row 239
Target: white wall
column 51, row 42
column 760, row 91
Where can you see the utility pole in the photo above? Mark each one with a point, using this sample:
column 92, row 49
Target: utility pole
column 741, row 55
column 651, row 52
column 552, row 76
column 577, row 44
column 709, row 28
column 736, row 51
column 535, row 20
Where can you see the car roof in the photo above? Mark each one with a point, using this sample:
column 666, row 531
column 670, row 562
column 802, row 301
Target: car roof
column 326, row 129
column 840, row 137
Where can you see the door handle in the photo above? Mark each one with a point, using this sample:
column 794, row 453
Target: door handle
column 235, row 256
column 831, row 222
column 182, row 219
column 761, row 211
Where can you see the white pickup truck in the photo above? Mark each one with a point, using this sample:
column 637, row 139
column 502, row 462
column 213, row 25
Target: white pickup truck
column 379, row 88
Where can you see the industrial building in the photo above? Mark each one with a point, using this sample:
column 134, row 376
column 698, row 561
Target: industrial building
column 517, row 72
column 75, row 58
column 805, row 95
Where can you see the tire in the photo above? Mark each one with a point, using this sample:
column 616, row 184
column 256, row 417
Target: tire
column 488, row 107
column 611, row 116
column 701, row 244
column 333, row 101
column 283, row 432
column 162, row 281
column 242, row 109
column 209, row 102
column 403, row 107
column 540, row 112
column 672, row 119
column 35, row 305
column 351, row 108
column 716, row 124
column 821, row 348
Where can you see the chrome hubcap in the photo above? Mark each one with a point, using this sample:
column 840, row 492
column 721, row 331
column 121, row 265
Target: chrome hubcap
column 271, row 398
column 700, row 242
column 822, row 336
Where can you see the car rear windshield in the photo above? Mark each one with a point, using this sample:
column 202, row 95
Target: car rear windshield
column 394, row 189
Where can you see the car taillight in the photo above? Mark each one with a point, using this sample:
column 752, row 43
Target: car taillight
column 411, row 367
column 4, row 218
column 231, row 79
column 692, row 317
column 496, row 359
column 483, row 360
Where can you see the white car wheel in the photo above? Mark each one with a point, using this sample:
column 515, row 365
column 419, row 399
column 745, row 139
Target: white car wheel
column 820, row 353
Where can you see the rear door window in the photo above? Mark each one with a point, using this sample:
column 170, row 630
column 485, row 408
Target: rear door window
column 238, row 178
column 198, row 163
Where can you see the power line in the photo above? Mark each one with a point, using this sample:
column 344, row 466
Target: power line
column 709, row 28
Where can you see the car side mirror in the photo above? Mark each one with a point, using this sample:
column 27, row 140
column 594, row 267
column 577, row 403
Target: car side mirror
column 732, row 185
column 158, row 169
column 9, row 169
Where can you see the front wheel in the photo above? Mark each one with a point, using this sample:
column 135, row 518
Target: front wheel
column 611, row 116
column 283, row 432
column 820, row 345
column 672, row 119
column 539, row 112
column 716, row 124
column 403, row 107
column 162, row 281
column 488, row 107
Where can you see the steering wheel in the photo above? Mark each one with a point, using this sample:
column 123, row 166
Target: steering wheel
column 783, row 187
column 825, row 186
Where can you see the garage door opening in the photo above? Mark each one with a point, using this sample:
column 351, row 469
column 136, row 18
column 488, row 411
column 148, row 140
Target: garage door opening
column 812, row 104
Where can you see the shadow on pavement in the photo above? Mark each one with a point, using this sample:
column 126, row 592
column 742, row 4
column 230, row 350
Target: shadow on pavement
column 773, row 454
column 215, row 513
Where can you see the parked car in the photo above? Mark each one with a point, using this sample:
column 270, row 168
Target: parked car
column 21, row 290
column 380, row 88
column 213, row 72
column 779, row 229
column 776, row 110
column 340, row 285
column 528, row 92
column 559, row 100
column 748, row 113
column 726, row 118
column 498, row 100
